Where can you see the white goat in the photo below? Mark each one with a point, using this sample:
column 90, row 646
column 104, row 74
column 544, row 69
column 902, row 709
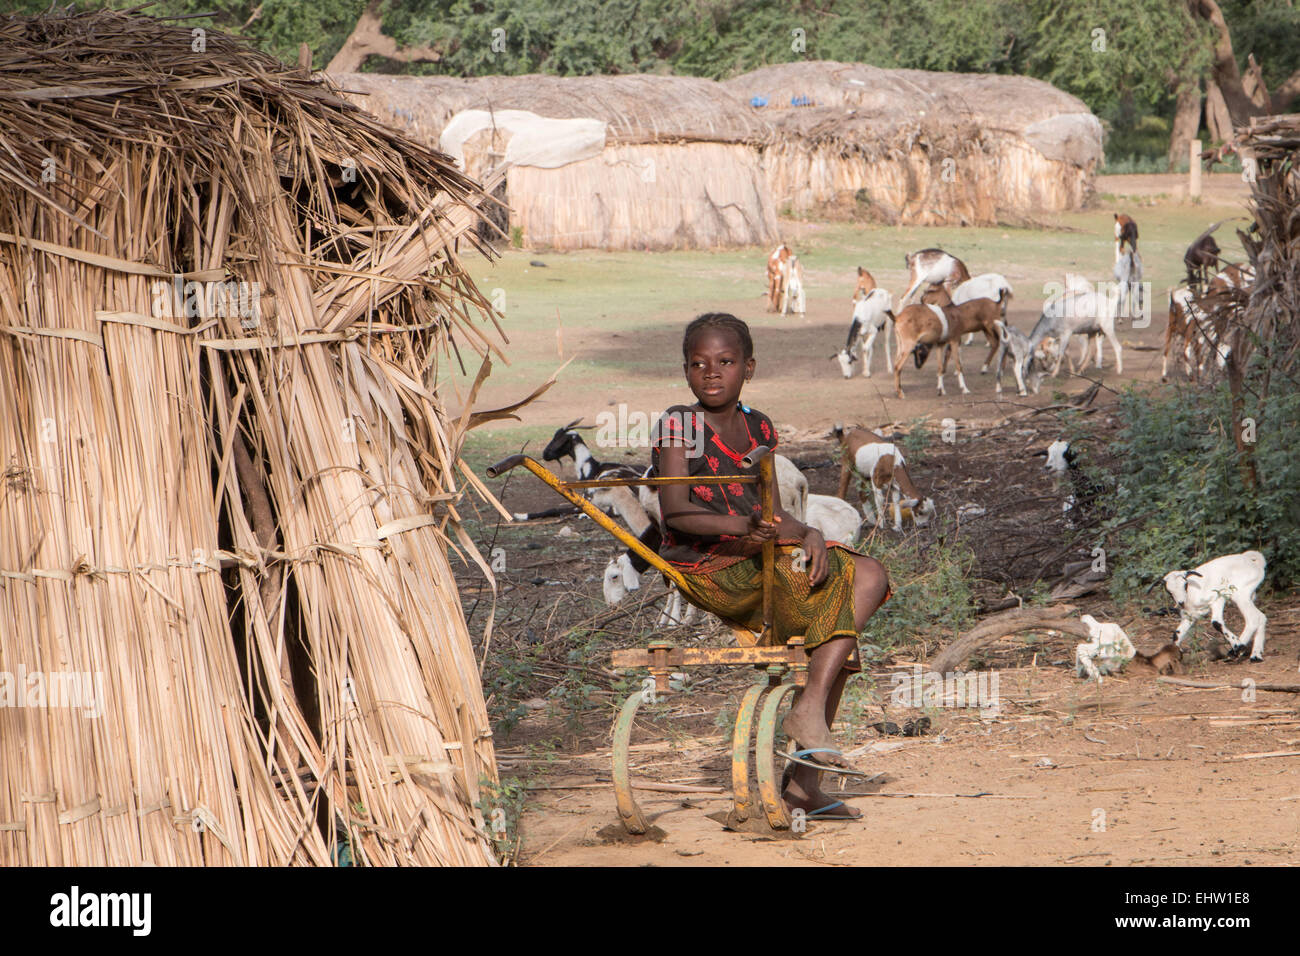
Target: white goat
column 1207, row 589
column 1108, row 651
column 1076, row 313
column 835, row 518
column 1128, row 273
column 792, row 297
column 870, row 315
column 987, row 285
column 620, row 578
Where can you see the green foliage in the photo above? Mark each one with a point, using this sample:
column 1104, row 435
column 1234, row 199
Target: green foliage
column 931, row 584
column 502, row 804
column 1181, row 498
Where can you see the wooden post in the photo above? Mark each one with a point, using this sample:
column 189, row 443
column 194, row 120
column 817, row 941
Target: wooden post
column 1194, row 170
column 769, row 547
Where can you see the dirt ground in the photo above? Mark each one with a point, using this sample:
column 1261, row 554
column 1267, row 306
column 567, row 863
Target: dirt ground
column 1133, row 772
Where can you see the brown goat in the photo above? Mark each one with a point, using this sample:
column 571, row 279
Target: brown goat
column 866, row 283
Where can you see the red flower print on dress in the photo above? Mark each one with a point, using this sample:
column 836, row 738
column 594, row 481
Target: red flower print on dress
column 703, row 492
column 713, row 463
column 767, row 432
column 735, row 489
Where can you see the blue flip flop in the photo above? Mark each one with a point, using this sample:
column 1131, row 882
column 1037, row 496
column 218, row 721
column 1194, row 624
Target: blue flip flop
column 824, row 813
column 801, row 757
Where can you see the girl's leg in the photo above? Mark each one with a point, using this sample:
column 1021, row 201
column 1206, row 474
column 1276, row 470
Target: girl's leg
column 809, row 720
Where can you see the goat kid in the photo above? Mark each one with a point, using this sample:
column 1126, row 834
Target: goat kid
column 1108, row 650
column 870, row 316
column 1028, row 364
column 1208, row 588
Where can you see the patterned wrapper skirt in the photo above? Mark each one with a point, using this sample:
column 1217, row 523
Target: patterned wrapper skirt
column 735, row 593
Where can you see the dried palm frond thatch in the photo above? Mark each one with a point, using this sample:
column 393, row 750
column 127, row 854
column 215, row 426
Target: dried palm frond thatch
column 233, row 505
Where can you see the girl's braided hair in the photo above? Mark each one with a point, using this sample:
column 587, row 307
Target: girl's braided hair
column 723, row 321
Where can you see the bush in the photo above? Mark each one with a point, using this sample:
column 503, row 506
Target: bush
column 1181, row 497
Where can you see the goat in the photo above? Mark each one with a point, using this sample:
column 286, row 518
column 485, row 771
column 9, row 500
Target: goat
column 567, row 443
column 1063, row 461
column 968, row 317
column 869, row 317
column 933, row 267
column 866, row 284
column 882, row 464
column 988, row 285
column 1208, row 588
column 1185, row 318
column 620, row 578
column 1238, row 275
column 1107, row 651
column 792, row 297
column 1167, row 659
column 1201, row 256
column 1076, row 313
column 1026, row 362
column 1128, row 273
column 1126, row 231
column 835, row 518
column 775, row 276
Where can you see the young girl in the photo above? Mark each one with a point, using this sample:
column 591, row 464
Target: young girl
column 715, row 533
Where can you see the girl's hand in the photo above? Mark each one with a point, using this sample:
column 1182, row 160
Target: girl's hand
column 814, row 548
column 760, row 531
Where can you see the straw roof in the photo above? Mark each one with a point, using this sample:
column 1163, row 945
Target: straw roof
column 857, row 105
column 236, row 520
column 637, row 108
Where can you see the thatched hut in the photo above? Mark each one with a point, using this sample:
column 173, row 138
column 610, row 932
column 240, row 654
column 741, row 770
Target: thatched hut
column 230, row 630
column 629, row 162
column 911, row 146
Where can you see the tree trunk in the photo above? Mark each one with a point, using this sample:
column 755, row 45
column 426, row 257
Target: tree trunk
column 1289, row 89
column 1187, row 120
column 1218, row 119
column 1225, row 74
column 367, row 39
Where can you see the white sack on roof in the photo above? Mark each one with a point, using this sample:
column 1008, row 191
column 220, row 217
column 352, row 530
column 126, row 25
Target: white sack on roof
column 534, row 140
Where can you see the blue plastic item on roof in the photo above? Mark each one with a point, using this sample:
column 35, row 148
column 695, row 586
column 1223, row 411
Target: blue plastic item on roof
column 800, row 101
column 758, row 101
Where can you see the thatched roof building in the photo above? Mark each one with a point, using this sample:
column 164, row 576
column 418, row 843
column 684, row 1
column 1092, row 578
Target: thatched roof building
column 227, row 486
column 671, row 163
column 921, row 147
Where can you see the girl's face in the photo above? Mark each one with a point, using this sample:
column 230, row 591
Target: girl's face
column 717, row 369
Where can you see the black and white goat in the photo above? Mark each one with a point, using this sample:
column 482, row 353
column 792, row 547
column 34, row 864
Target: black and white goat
column 1063, row 462
column 871, row 315
column 568, row 443
column 1207, row 589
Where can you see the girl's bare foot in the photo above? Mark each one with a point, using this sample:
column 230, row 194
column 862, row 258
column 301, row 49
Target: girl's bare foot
column 807, row 725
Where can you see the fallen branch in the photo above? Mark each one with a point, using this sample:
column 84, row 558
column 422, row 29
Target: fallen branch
column 1274, row 753
column 1003, row 625
column 1187, row 682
